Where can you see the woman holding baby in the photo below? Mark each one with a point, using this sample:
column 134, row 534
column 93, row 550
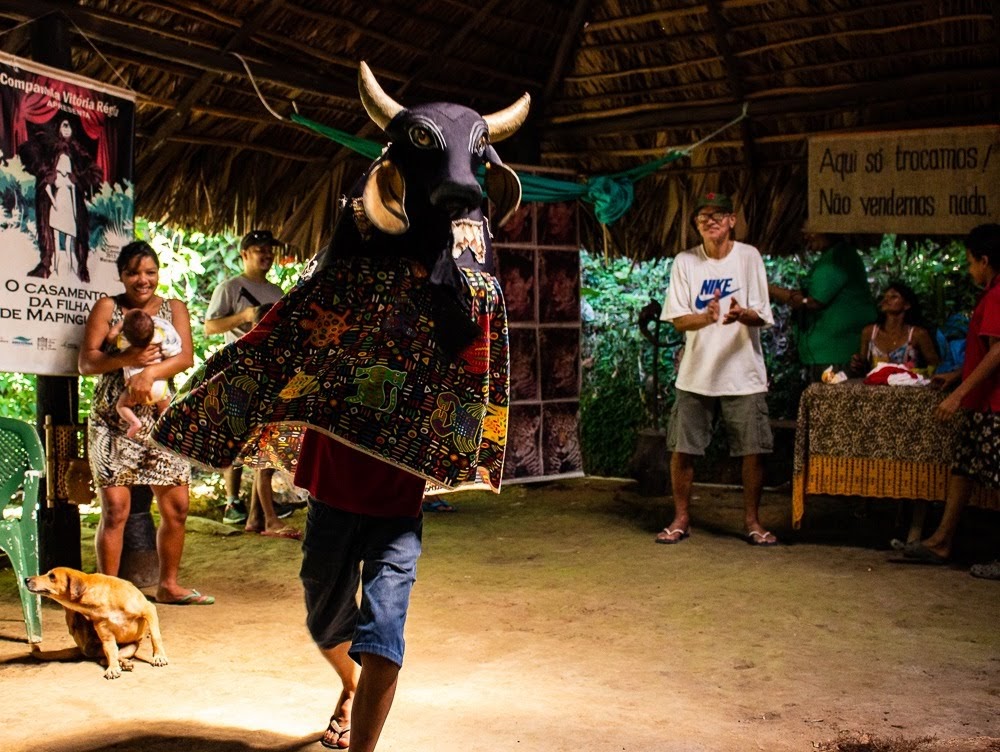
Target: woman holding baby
column 119, row 461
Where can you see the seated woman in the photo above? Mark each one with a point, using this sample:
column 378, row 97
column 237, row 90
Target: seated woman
column 897, row 336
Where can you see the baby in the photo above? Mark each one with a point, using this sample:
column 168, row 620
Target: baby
column 141, row 330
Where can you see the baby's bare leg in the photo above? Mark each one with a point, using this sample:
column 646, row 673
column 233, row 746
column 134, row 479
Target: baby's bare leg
column 124, row 408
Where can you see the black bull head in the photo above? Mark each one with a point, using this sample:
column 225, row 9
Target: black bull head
column 421, row 199
column 433, row 155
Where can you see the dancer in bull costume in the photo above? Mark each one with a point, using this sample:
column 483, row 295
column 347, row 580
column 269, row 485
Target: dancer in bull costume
column 385, row 367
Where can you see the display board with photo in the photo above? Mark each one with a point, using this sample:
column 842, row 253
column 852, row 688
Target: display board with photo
column 538, row 262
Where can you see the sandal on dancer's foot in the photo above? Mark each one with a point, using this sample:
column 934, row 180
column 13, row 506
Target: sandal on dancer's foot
column 285, row 532
column 670, row 536
column 336, row 736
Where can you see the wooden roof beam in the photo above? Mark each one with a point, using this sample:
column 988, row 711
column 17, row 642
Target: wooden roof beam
column 667, row 39
column 736, row 85
column 665, row 115
column 563, row 55
column 107, row 28
column 396, row 42
column 667, row 15
column 176, row 120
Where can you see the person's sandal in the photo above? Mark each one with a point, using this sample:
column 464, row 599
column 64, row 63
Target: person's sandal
column 989, row 571
column 235, row 514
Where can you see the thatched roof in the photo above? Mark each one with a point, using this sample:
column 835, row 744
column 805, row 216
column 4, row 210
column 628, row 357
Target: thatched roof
column 615, row 83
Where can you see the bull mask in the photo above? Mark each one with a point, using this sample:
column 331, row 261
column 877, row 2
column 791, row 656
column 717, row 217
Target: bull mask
column 384, row 195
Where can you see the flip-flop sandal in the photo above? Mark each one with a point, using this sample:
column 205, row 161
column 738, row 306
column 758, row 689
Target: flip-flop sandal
column 286, row 532
column 989, row 571
column 761, row 539
column 664, row 536
column 436, row 505
column 918, row 553
column 194, row 598
column 340, row 734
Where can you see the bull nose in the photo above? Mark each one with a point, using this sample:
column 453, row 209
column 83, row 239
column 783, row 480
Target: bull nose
column 457, row 199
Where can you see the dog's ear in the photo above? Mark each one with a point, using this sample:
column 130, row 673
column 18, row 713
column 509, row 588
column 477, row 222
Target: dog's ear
column 75, row 587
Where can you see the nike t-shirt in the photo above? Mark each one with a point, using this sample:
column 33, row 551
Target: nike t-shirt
column 720, row 359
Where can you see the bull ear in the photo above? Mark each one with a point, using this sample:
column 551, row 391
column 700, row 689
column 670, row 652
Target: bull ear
column 383, row 198
column 502, row 186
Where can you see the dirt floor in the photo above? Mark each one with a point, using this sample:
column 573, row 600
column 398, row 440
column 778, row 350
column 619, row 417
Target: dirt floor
column 547, row 620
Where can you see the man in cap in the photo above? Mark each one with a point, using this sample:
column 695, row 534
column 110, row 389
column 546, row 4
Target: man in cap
column 237, row 305
column 718, row 297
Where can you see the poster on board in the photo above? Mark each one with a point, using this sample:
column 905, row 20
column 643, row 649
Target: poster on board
column 66, row 209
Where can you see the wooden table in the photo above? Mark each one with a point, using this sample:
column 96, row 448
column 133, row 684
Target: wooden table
column 873, row 441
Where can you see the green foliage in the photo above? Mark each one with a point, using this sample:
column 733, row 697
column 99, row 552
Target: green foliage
column 937, row 272
column 616, row 402
column 17, row 396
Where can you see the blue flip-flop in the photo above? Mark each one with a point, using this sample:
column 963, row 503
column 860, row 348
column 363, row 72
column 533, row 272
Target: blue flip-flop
column 436, row 505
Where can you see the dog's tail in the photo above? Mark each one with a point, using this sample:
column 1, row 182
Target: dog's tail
column 64, row 654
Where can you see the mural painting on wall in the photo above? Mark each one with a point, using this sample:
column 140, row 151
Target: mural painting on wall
column 66, row 208
column 538, row 257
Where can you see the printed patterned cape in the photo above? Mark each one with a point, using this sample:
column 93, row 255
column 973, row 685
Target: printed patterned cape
column 351, row 352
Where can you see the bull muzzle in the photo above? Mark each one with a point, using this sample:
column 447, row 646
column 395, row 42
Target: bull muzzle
column 457, row 199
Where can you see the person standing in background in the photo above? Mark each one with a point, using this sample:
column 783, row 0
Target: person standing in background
column 119, row 462
column 834, row 304
column 237, row 305
column 718, row 298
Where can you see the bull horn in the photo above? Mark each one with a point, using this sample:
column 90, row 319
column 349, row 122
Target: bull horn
column 504, row 123
column 380, row 106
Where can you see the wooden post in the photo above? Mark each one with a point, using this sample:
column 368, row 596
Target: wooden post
column 57, row 396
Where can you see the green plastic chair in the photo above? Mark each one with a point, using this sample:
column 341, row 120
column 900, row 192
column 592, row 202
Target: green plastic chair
column 22, row 463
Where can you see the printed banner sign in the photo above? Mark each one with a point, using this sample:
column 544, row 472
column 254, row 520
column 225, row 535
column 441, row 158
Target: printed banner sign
column 930, row 182
column 66, row 209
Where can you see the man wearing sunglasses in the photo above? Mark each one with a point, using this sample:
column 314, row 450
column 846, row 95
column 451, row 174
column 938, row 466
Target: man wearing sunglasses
column 237, row 305
column 718, row 297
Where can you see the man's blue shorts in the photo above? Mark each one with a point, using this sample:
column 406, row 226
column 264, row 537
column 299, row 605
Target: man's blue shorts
column 342, row 549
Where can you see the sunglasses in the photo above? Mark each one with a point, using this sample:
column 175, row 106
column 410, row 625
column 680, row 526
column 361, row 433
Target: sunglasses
column 716, row 217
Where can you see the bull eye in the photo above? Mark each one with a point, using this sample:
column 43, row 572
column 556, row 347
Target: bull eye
column 481, row 145
column 421, row 137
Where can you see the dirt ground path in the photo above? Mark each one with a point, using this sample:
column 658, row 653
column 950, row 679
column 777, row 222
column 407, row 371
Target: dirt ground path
column 546, row 620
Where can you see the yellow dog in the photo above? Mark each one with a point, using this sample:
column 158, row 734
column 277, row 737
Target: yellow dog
column 106, row 616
